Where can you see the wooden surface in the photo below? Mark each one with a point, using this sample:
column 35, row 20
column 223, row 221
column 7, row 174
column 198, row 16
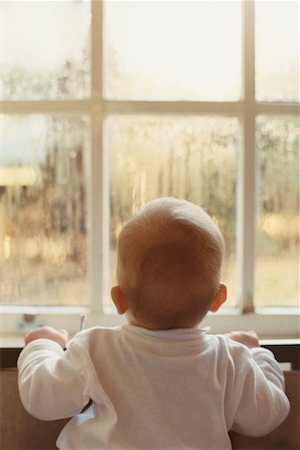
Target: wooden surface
column 18, row 430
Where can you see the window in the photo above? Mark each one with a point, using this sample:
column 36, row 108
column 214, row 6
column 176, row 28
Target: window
column 43, row 196
column 106, row 105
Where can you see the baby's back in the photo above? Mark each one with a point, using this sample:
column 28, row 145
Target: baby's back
column 164, row 389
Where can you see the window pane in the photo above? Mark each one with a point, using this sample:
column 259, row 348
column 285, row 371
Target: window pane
column 277, row 248
column 170, row 50
column 42, row 210
column 277, row 50
column 45, row 49
column 189, row 157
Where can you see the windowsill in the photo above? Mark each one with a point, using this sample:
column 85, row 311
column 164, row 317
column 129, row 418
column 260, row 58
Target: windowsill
column 277, row 328
column 11, row 341
column 287, row 310
column 269, row 323
column 40, row 310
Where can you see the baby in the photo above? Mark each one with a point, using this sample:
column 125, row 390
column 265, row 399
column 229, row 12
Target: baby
column 160, row 381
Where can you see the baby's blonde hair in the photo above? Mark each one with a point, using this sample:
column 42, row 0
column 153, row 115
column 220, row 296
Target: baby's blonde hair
column 169, row 261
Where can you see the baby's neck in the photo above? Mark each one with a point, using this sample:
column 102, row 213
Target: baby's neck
column 132, row 321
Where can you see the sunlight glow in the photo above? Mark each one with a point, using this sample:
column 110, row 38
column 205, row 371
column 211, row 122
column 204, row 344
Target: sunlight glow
column 277, row 50
column 57, row 29
column 173, row 50
column 18, row 176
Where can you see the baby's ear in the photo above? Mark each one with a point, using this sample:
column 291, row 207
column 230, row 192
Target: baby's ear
column 119, row 299
column 219, row 299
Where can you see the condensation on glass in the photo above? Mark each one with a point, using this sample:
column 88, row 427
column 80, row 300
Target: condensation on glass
column 186, row 157
column 171, row 50
column 277, row 240
column 277, row 50
column 43, row 210
column 45, row 50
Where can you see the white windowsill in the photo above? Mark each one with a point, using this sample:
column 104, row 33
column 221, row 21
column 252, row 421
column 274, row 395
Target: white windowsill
column 269, row 323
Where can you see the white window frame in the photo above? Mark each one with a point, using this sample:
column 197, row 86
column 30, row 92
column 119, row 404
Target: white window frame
column 267, row 322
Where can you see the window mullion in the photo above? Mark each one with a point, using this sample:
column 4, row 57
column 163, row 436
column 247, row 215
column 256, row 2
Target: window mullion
column 247, row 168
column 97, row 213
column 97, row 202
column 246, row 216
column 45, row 107
column 173, row 107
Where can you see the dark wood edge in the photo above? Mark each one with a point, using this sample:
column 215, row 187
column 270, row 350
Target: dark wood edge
column 9, row 357
column 286, row 353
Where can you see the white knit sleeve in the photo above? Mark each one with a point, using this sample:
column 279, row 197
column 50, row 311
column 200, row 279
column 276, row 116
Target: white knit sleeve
column 51, row 382
column 263, row 404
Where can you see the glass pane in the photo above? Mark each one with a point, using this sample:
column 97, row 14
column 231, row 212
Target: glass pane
column 170, row 50
column 277, row 50
column 188, row 157
column 45, row 49
column 42, row 210
column 277, row 247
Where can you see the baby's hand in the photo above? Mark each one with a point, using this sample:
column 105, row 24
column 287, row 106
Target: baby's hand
column 249, row 338
column 59, row 336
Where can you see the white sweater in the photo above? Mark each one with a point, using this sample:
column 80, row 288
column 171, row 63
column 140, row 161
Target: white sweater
column 175, row 389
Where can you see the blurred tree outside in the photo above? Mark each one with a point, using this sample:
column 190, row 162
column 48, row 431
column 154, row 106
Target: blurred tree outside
column 43, row 229
column 277, row 239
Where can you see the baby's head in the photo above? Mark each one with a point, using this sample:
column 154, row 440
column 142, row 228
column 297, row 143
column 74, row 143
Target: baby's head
column 169, row 263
